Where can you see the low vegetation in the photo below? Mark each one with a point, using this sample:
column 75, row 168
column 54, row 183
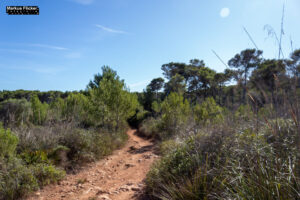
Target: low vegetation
column 42, row 140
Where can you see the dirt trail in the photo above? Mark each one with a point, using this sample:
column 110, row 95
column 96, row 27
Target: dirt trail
column 117, row 177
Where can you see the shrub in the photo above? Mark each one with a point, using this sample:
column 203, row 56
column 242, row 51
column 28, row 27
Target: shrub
column 175, row 114
column 37, row 138
column 46, row 174
column 75, row 109
column 15, row 112
column 150, row 127
column 168, row 146
column 16, row 179
column 244, row 112
column 39, row 111
column 225, row 165
column 86, row 146
column 208, row 112
column 8, row 143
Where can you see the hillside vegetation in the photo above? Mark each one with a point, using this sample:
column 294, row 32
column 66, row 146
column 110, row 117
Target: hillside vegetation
column 221, row 135
column 221, row 140
column 43, row 135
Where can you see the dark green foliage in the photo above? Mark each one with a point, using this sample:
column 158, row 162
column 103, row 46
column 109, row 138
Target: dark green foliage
column 26, row 94
column 267, row 74
column 176, row 84
column 156, row 84
column 140, row 115
column 244, row 62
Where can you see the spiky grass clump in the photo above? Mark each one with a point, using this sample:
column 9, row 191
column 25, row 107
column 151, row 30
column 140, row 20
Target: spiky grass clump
column 225, row 165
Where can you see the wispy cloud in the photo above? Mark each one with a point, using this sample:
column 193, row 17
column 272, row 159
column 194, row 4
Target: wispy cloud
column 49, row 46
column 110, row 30
column 21, row 51
column 37, row 69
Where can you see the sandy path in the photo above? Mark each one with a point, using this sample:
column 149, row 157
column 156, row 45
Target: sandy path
column 117, row 177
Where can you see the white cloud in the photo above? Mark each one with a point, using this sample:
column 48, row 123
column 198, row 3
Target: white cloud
column 48, row 46
column 110, row 30
column 225, row 12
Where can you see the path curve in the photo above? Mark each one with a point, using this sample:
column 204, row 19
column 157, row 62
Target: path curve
column 117, row 177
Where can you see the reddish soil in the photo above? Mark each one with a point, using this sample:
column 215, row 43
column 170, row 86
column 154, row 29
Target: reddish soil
column 117, row 177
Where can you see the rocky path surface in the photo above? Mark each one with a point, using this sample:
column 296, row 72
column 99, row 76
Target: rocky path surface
column 117, row 177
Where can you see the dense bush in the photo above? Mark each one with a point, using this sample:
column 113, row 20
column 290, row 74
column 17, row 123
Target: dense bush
column 39, row 111
column 175, row 114
column 15, row 111
column 208, row 112
column 150, row 127
column 18, row 177
column 223, row 164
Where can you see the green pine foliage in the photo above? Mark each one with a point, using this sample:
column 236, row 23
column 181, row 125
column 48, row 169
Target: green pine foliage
column 39, row 111
column 208, row 112
column 175, row 114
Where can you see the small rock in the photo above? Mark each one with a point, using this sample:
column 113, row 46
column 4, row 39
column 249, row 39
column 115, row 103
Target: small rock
column 132, row 148
column 135, row 189
column 129, row 165
column 124, row 188
column 115, row 192
column 104, row 197
column 147, row 156
column 100, row 190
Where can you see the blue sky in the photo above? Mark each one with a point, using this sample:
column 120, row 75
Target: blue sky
column 70, row 40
